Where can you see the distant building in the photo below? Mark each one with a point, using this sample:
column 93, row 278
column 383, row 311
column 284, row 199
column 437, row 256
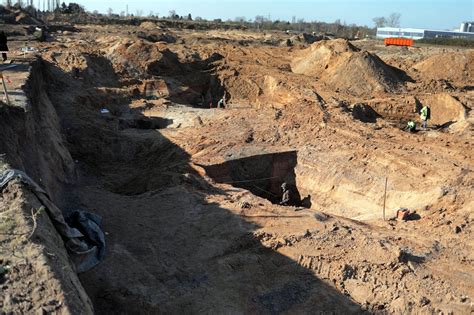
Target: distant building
column 466, row 31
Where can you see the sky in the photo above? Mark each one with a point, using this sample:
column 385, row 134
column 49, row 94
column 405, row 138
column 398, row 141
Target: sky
column 433, row 14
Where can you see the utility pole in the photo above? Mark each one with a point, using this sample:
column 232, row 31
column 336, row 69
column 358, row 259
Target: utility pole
column 5, row 89
column 385, row 197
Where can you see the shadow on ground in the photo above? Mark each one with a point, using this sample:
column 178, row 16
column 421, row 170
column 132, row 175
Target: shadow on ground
column 171, row 249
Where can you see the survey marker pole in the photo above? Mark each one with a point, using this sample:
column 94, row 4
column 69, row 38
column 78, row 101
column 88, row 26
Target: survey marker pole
column 385, row 197
column 5, row 88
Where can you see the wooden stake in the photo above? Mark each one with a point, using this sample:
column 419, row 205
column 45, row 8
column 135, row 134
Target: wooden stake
column 5, row 89
column 385, row 197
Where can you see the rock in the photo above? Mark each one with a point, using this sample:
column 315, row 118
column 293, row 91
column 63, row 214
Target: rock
column 198, row 121
column 359, row 291
column 278, row 114
column 457, row 229
column 424, row 301
column 249, row 136
column 245, row 204
column 349, row 272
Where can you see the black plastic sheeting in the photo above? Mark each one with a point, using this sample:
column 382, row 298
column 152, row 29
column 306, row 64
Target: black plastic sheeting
column 81, row 232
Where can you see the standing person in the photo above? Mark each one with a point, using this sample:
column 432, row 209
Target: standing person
column 3, row 45
column 285, row 198
column 425, row 115
column 221, row 103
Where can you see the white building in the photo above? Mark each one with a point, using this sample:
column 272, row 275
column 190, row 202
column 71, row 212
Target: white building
column 419, row 33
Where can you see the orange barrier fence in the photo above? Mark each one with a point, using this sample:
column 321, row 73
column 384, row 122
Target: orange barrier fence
column 398, row 42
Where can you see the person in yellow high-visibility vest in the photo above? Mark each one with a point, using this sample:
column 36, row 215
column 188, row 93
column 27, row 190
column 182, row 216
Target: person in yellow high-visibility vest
column 411, row 126
column 425, row 114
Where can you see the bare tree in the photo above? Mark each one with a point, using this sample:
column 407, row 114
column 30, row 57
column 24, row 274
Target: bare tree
column 172, row 14
column 301, row 24
column 110, row 11
column 380, row 21
column 393, row 20
column 259, row 19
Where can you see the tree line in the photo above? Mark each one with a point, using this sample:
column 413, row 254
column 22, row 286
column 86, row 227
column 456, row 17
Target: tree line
column 337, row 28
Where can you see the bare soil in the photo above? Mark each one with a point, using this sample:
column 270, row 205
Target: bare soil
column 189, row 193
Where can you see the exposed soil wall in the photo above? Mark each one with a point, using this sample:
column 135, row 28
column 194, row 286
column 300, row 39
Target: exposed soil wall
column 262, row 174
column 31, row 140
column 338, row 189
column 41, row 277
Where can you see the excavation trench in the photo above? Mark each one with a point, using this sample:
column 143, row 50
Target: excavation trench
column 170, row 250
column 263, row 175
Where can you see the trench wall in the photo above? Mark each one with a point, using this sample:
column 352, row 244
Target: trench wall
column 31, row 141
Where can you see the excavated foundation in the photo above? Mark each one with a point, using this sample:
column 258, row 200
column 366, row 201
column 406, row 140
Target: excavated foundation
column 263, row 175
column 178, row 244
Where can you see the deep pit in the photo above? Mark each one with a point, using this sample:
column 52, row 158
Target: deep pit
column 263, row 175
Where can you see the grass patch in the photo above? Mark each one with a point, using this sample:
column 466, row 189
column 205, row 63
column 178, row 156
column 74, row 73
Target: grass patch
column 448, row 42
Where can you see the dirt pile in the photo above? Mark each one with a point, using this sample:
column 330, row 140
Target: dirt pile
column 149, row 25
column 302, row 40
column 26, row 19
column 453, row 67
column 314, row 60
column 445, row 109
column 345, row 68
column 92, row 69
column 18, row 17
column 142, row 59
column 155, row 37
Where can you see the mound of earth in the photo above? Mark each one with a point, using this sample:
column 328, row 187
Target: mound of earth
column 317, row 58
column 18, row 17
column 343, row 67
column 156, row 37
column 26, row 19
column 90, row 68
column 148, row 25
column 445, row 109
column 452, row 67
column 304, row 39
column 142, row 59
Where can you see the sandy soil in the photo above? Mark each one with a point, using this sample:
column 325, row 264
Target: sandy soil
column 189, row 194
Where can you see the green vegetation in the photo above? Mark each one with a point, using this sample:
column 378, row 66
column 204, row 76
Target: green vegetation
column 448, row 42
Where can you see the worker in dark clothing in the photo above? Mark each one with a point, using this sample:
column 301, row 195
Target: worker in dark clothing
column 285, row 198
column 290, row 195
column 3, row 45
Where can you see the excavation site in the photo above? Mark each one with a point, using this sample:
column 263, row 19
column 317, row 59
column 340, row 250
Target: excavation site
column 152, row 168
